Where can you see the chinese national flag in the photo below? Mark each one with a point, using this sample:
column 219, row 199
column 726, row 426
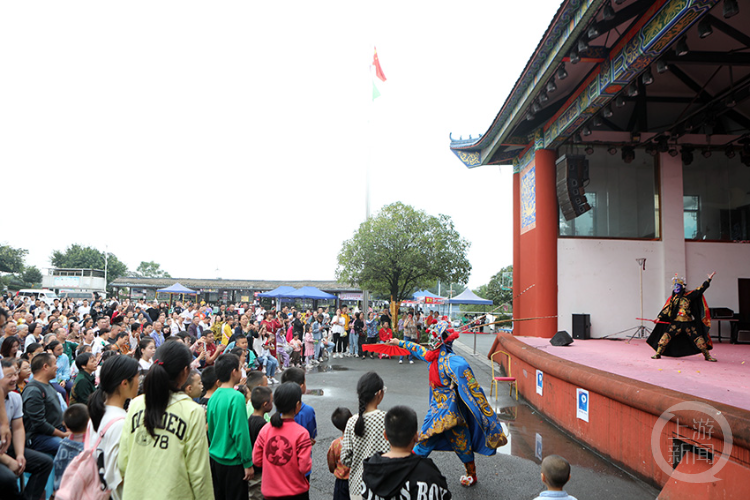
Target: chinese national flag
column 378, row 70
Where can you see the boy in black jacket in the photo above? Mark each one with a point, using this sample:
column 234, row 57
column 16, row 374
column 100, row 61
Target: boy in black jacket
column 400, row 474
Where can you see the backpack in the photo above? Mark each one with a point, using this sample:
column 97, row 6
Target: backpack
column 84, row 477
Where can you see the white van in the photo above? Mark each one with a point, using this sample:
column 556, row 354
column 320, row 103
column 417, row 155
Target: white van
column 46, row 296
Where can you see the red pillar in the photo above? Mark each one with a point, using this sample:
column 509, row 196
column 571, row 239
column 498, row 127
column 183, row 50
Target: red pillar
column 517, row 251
column 536, row 253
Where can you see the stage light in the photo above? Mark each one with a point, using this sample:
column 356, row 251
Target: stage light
column 651, row 149
column 574, row 57
column 687, row 155
column 731, row 8
column 593, row 31
column 530, row 116
column 583, row 45
column 628, row 154
column 577, row 139
column 729, row 151
column 607, row 111
column 535, row 107
column 612, row 150
column 589, row 150
column 704, row 28
column 647, row 78
column 609, row 13
column 706, row 152
column 586, row 130
column 620, row 101
column 632, row 90
column 681, row 49
column 543, row 97
column 597, row 121
column 551, row 87
column 673, row 151
column 662, row 66
column 662, row 144
column 561, row 73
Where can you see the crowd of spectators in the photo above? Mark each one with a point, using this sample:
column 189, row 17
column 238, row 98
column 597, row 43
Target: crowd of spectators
column 184, row 389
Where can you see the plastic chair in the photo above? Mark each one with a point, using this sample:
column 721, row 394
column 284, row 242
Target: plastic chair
column 510, row 378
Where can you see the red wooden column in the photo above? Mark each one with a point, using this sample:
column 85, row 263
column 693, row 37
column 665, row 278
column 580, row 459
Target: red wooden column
column 536, row 253
column 547, row 224
column 517, row 251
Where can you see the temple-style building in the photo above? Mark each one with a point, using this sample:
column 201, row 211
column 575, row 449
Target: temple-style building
column 628, row 133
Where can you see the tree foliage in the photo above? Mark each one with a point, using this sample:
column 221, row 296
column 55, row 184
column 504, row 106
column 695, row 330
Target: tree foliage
column 500, row 287
column 77, row 256
column 12, row 259
column 151, row 270
column 402, row 249
column 32, row 275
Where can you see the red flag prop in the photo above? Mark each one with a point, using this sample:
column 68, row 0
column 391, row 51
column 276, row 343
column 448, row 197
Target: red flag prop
column 378, row 70
column 390, row 350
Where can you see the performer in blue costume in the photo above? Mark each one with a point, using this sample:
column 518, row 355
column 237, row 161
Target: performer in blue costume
column 459, row 418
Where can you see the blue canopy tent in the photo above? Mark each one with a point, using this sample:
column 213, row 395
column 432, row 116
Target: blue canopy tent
column 425, row 293
column 281, row 291
column 308, row 292
column 177, row 288
column 469, row 297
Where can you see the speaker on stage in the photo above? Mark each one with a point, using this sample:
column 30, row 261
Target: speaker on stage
column 561, row 338
column 582, row 326
column 572, row 175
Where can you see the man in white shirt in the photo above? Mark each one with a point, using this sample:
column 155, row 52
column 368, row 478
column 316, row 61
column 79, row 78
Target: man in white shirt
column 19, row 459
column 187, row 315
column 84, row 309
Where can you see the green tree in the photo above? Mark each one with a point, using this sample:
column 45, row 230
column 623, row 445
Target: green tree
column 500, row 287
column 12, row 259
column 402, row 249
column 151, row 270
column 32, row 275
column 77, row 256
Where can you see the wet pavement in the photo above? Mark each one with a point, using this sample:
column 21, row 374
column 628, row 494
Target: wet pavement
column 513, row 473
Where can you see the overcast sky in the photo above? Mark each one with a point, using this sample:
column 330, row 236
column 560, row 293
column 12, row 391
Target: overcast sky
column 235, row 135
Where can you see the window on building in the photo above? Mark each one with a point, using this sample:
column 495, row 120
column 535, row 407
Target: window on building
column 692, row 211
column 722, row 187
column 583, row 225
column 623, row 197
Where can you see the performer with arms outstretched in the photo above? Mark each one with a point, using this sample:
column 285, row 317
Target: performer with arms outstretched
column 682, row 326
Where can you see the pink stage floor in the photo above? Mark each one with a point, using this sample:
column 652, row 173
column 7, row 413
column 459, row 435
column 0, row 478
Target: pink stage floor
column 727, row 381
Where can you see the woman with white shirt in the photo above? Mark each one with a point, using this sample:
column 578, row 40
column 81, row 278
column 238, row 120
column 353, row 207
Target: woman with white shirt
column 144, row 352
column 118, row 383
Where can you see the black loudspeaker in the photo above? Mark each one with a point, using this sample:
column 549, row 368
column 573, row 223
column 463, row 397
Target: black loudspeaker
column 581, row 326
column 572, row 175
column 561, row 338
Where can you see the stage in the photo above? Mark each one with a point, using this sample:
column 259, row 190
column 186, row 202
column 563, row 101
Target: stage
column 726, row 381
column 642, row 413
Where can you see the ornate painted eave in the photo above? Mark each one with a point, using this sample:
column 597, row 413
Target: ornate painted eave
column 664, row 22
column 570, row 19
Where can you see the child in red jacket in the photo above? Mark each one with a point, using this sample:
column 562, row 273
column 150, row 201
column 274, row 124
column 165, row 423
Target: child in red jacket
column 385, row 334
column 283, row 449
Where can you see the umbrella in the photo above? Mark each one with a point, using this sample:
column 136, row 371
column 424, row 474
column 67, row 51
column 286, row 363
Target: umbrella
column 388, row 349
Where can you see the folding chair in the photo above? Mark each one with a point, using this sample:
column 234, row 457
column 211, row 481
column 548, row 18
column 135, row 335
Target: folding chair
column 510, row 378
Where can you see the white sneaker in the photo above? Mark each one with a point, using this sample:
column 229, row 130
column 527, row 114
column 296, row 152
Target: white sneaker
column 400, row 361
column 411, row 361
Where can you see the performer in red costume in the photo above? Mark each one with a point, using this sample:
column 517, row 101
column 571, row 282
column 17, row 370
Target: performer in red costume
column 459, row 418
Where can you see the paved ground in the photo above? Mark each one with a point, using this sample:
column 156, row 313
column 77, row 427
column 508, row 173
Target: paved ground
column 513, row 473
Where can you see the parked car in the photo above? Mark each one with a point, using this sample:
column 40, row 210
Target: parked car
column 43, row 294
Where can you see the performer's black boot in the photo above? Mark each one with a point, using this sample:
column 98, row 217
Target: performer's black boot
column 708, row 356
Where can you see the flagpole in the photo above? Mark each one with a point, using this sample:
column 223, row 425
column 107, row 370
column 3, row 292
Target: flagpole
column 366, row 293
